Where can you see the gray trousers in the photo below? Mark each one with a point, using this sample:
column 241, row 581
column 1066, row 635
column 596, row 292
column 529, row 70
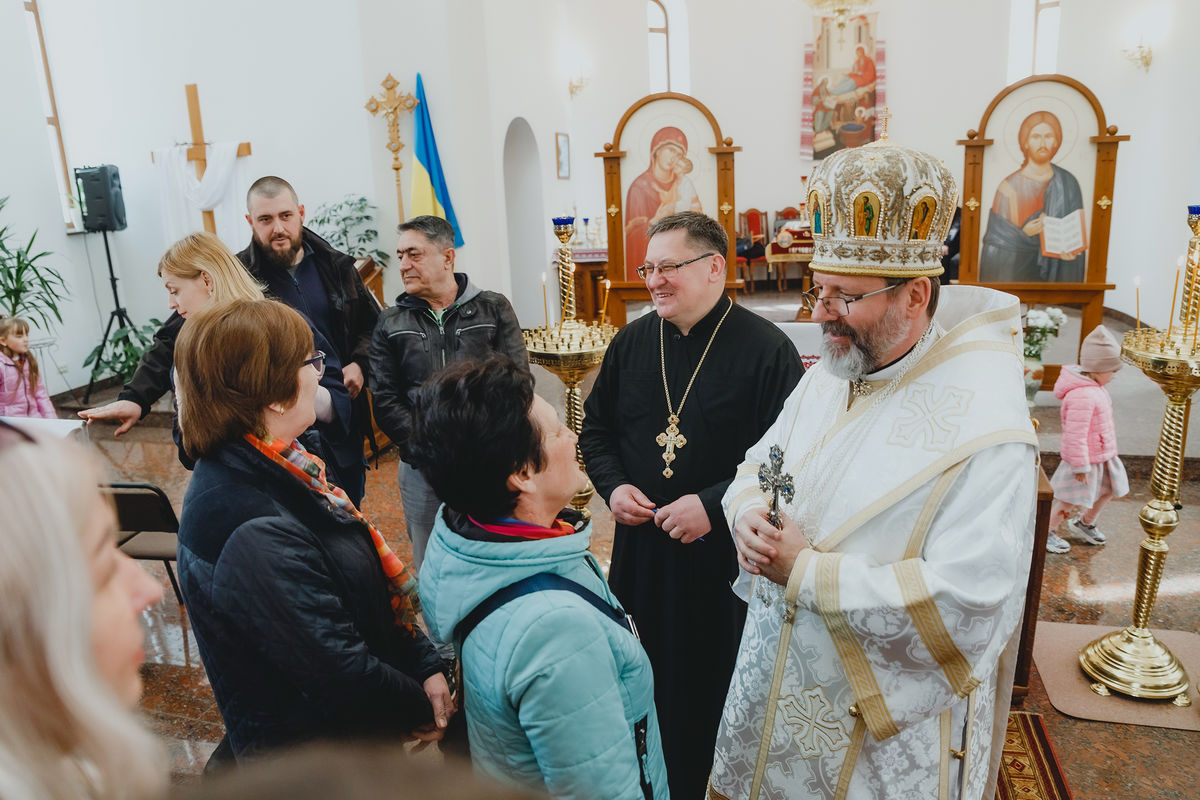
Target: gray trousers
column 420, row 510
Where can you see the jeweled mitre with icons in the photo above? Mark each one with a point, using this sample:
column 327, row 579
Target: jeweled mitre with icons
column 880, row 209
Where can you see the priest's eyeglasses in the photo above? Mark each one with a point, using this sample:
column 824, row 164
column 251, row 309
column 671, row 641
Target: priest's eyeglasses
column 317, row 362
column 837, row 305
column 666, row 270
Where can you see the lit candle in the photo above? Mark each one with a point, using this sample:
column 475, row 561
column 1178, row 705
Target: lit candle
column 545, row 302
column 1137, row 295
column 604, row 303
column 1174, row 292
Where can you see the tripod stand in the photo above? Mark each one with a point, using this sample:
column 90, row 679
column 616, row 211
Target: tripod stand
column 116, row 315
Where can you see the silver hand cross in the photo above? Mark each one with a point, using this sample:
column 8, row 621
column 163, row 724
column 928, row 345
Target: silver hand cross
column 773, row 480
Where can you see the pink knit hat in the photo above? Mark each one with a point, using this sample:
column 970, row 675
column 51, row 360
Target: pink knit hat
column 1100, row 352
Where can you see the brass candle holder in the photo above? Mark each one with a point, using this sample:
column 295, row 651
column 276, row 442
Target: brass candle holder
column 571, row 349
column 1132, row 661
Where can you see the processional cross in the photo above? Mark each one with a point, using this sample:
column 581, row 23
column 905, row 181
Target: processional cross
column 774, row 481
column 391, row 103
column 197, row 147
column 670, row 439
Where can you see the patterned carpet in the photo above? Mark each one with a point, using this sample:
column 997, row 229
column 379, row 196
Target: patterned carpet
column 1029, row 769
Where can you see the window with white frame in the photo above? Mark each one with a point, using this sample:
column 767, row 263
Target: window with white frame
column 660, row 50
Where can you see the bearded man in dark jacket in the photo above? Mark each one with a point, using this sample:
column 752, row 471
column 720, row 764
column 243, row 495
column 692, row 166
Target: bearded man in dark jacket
column 301, row 269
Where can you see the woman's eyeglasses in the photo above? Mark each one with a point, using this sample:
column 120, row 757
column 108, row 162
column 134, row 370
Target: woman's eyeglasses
column 317, row 362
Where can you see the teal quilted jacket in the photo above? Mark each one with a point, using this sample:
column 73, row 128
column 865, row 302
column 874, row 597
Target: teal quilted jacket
column 553, row 687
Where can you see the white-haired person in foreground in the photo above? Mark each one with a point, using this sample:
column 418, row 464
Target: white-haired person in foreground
column 70, row 639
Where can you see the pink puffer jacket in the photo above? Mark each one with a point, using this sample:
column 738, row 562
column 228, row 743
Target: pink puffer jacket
column 1089, row 435
column 17, row 398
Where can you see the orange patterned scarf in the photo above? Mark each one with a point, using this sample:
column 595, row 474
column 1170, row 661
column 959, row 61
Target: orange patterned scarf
column 310, row 470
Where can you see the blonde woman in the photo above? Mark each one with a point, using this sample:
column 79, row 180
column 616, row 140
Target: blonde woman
column 72, row 640
column 199, row 271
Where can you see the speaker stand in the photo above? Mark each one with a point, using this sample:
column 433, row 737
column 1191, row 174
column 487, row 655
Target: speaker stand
column 116, row 315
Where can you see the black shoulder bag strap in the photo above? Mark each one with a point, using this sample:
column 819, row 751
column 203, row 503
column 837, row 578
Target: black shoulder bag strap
column 549, row 580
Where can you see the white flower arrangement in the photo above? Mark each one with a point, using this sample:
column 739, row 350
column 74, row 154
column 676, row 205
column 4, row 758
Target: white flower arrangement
column 1040, row 328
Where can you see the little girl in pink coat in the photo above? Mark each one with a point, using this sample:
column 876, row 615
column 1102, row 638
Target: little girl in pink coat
column 1090, row 473
column 22, row 390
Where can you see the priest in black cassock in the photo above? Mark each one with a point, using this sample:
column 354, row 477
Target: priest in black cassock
column 681, row 395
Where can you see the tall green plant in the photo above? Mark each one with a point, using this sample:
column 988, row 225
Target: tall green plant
column 349, row 225
column 28, row 288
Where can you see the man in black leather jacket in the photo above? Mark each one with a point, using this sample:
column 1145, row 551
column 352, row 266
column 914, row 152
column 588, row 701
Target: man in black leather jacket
column 441, row 318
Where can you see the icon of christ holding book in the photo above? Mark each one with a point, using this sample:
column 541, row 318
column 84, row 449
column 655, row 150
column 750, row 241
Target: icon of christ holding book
column 1036, row 230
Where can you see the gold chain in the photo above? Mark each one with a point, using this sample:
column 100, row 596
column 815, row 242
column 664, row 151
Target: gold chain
column 671, row 437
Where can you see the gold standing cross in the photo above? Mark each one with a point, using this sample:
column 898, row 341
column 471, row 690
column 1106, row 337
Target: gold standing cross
column 884, row 116
column 671, row 438
column 391, row 103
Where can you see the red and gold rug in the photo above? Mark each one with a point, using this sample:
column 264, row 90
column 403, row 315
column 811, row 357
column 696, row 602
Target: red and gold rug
column 1029, row 769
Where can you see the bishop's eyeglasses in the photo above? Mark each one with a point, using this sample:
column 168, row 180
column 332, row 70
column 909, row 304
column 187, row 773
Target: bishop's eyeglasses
column 838, row 305
column 666, row 270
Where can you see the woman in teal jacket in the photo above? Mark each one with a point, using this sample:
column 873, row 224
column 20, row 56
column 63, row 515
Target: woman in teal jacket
column 558, row 692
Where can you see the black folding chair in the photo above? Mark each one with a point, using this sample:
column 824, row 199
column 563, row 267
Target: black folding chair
column 147, row 523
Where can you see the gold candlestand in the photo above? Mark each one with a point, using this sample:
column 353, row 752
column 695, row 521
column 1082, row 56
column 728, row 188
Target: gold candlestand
column 1132, row 661
column 572, row 348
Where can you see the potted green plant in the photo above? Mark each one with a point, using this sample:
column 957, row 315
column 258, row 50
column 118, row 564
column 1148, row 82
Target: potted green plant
column 1040, row 327
column 126, row 346
column 349, row 225
column 28, row 287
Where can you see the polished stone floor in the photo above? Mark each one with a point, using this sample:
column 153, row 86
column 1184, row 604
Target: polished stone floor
column 1091, row 585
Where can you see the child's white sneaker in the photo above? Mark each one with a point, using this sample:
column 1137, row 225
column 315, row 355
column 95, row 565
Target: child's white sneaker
column 1057, row 544
column 1089, row 533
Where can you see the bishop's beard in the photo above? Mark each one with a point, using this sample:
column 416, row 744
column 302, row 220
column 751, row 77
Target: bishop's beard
column 863, row 354
column 281, row 259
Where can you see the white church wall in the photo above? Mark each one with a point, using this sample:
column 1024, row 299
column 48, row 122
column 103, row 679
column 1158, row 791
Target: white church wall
column 616, row 63
column 31, row 185
column 1158, row 169
column 120, row 70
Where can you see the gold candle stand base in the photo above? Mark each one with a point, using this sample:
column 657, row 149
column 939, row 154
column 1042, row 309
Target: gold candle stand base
column 1132, row 661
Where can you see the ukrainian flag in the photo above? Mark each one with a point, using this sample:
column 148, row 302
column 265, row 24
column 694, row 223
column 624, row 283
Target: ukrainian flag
column 430, row 195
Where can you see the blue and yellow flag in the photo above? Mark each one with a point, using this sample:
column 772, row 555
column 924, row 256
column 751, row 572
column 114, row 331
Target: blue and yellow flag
column 430, row 195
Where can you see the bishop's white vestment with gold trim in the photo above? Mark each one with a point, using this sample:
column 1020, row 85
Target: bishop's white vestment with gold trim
column 874, row 673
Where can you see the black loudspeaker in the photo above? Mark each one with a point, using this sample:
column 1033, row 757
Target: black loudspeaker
column 100, row 198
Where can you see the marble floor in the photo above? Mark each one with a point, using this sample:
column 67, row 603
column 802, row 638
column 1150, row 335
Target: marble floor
column 1091, row 585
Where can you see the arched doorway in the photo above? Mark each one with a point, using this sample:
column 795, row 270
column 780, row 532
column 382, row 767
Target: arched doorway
column 528, row 256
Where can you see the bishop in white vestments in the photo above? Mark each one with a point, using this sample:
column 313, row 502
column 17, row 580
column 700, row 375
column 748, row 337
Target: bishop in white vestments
column 882, row 603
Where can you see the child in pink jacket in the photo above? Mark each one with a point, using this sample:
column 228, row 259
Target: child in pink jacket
column 1090, row 473
column 22, row 390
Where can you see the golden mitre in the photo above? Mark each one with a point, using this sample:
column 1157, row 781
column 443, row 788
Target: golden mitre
column 880, row 210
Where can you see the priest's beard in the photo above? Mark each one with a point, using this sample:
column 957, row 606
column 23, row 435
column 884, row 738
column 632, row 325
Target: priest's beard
column 282, row 259
column 865, row 350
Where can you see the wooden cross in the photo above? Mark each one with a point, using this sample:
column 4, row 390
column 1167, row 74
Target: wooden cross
column 196, row 149
column 772, row 479
column 670, row 439
column 391, row 103
column 884, row 116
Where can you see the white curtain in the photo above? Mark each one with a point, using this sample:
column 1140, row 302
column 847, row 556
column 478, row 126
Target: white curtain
column 183, row 196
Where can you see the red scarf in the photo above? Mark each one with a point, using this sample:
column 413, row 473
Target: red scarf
column 526, row 530
column 310, row 471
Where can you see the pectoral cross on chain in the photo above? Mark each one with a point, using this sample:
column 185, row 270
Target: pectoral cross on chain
column 670, row 439
column 774, row 481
